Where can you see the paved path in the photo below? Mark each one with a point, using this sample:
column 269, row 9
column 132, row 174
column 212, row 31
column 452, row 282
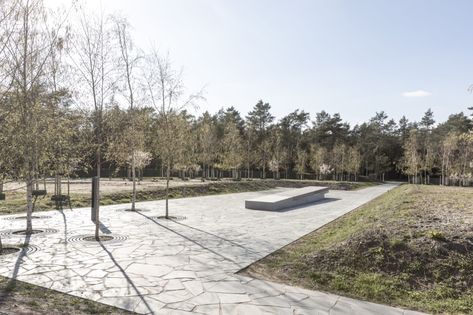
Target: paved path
column 165, row 267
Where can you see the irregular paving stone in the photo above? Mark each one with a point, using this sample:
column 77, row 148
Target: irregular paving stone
column 152, row 270
column 173, row 285
column 169, row 297
column 194, row 286
column 233, row 298
column 183, row 267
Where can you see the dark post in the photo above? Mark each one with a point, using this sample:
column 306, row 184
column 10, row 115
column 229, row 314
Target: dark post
column 95, row 205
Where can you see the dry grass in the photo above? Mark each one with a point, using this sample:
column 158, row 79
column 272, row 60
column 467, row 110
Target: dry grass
column 412, row 247
column 118, row 191
column 20, row 298
column 107, row 186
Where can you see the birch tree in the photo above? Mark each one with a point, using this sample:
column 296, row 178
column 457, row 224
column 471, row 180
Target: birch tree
column 207, row 143
column 165, row 91
column 92, row 57
column 231, row 157
column 7, row 24
column 129, row 63
column 353, row 162
column 28, row 50
column 412, row 158
column 301, row 162
column 278, row 154
column 338, row 160
column 317, row 158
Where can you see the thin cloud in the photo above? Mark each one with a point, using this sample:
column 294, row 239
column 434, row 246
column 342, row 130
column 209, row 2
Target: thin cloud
column 417, row 93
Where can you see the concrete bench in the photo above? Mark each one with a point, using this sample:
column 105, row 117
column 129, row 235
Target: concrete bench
column 287, row 199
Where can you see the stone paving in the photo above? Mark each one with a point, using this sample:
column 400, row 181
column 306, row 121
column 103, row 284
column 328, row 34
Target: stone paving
column 179, row 267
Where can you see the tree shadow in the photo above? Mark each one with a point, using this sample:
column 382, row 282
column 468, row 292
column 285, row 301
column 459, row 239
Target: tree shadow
column 128, row 279
column 214, row 235
column 64, row 219
column 192, row 240
column 11, row 284
column 104, row 229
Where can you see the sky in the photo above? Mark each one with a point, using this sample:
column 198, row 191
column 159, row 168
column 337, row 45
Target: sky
column 353, row 57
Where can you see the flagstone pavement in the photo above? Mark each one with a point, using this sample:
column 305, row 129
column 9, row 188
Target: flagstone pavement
column 185, row 266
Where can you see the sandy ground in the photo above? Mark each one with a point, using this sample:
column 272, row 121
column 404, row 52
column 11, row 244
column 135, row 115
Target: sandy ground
column 84, row 186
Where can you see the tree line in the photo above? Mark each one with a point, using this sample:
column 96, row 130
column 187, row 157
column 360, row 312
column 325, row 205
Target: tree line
column 77, row 93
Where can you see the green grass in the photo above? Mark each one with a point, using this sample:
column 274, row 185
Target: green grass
column 15, row 203
column 411, row 247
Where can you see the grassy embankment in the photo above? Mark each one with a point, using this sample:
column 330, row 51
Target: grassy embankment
column 16, row 202
column 20, row 298
column 411, row 247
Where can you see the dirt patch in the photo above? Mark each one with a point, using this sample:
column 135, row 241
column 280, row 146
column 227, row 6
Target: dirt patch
column 101, row 238
column 20, row 298
column 170, row 217
column 8, row 249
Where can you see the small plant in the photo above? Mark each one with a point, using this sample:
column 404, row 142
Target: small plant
column 398, row 244
column 414, row 267
column 321, row 277
column 436, row 235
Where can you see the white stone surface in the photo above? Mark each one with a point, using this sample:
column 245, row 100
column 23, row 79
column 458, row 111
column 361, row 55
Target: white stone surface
column 287, row 198
column 188, row 266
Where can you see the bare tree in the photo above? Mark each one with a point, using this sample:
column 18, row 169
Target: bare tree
column 318, row 156
column 301, row 162
column 231, row 150
column 30, row 47
column 207, row 142
column 129, row 59
column 165, row 90
column 7, row 23
column 94, row 63
column 354, row 162
column 412, row 158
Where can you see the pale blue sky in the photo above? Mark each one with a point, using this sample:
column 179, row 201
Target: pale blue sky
column 354, row 57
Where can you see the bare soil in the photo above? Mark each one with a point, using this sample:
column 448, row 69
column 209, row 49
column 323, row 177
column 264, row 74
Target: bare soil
column 20, row 298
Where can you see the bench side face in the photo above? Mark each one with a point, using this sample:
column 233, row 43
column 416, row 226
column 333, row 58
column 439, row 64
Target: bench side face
column 278, row 202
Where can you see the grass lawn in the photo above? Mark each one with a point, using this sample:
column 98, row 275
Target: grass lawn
column 20, row 298
column 411, row 247
column 16, row 202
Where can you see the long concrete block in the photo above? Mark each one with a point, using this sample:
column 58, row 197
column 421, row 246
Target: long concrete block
column 287, row 199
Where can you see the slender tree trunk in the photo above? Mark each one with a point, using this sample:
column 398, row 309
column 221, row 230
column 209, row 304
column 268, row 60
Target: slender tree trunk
column 29, row 201
column 442, row 179
column 133, row 178
column 59, row 185
column 97, row 221
column 168, row 174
